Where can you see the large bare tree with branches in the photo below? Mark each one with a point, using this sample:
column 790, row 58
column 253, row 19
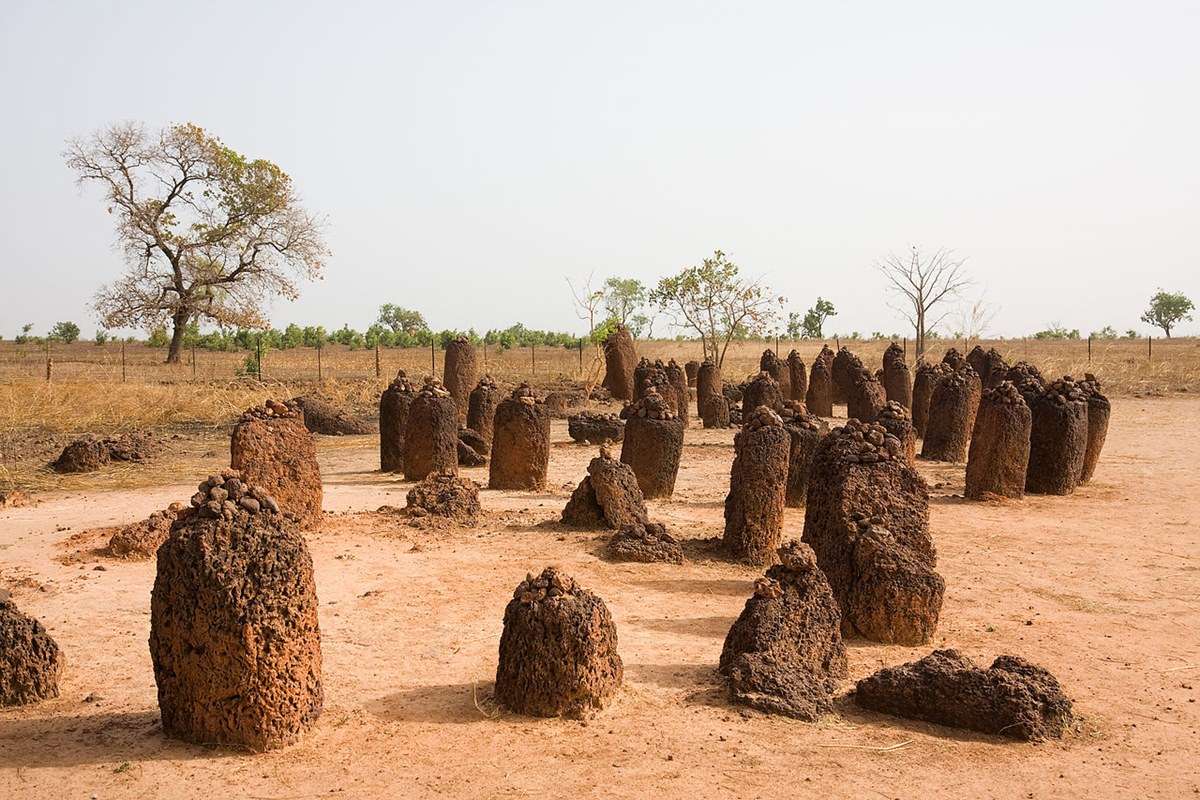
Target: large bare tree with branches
column 922, row 282
column 207, row 233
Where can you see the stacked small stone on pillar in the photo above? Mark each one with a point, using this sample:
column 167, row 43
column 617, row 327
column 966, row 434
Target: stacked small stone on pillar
column 867, row 520
column 431, row 436
column 481, row 409
column 797, row 377
column 711, row 403
column 762, row 390
column 897, row 382
column 819, row 397
column 757, row 488
column 273, row 450
column 393, row 419
column 951, row 416
column 521, row 443
column 953, row 359
column 558, row 651
column 805, row 431
column 653, row 444
column 1099, row 411
column 619, row 361
column 784, row 653
column 995, row 369
column 999, row 454
column 1058, row 438
column 895, row 420
column 234, row 636
column 459, row 373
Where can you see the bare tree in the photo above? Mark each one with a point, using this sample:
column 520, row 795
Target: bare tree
column 207, row 233
column 923, row 282
column 586, row 300
column 972, row 319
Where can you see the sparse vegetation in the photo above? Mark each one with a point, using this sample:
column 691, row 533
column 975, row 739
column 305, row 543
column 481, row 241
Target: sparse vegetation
column 1168, row 309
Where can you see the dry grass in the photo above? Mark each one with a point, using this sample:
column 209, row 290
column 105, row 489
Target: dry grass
column 87, row 392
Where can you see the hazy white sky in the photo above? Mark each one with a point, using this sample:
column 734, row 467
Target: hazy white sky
column 470, row 155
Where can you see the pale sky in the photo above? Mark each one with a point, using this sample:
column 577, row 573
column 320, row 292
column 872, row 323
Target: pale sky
column 471, row 155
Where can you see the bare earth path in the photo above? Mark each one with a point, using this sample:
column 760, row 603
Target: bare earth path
column 1102, row 588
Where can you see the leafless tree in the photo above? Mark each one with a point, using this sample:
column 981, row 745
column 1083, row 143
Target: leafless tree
column 207, row 233
column 973, row 318
column 586, row 300
column 922, row 283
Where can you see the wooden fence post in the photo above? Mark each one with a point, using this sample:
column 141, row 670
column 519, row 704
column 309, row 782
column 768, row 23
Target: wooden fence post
column 193, row 362
column 259, row 364
column 319, row 377
column 1089, row 348
column 432, row 359
column 1149, row 347
column 532, row 360
column 377, row 361
column 122, row 362
column 49, row 368
column 581, row 357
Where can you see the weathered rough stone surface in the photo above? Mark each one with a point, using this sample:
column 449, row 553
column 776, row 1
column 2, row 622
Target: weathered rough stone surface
column 952, row 410
column 520, row 443
column 895, row 419
column 805, row 431
column 560, row 402
column 273, row 450
column 692, row 370
column 89, row 453
column 995, row 369
column 393, row 419
column 1012, row 697
column 481, row 409
column 757, row 488
column 1058, row 438
column 143, row 538
column 897, row 380
column 999, row 454
column 954, row 359
column 459, row 373
column 647, row 543
column 819, row 398
column 472, row 449
column 865, row 396
column 431, row 435
column 608, row 496
column 797, row 377
column 323, row 417
column 1099, row 411
column 620, row 358
column 558, row 651
column 773, row 365
column 784, row 654
column 445, row 495
column 595, row 428
column 653, row 444
column 977, row 358
column 31, row 664
column 927, row 378
column 843, row 369
column 762, row 390
column 711, row 403
column 867, row 520
column 233, row 624
column 679, row 385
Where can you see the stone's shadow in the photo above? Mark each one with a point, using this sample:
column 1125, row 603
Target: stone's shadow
column 845, row 707
column 721, row 586
column 716, row 627
column 453, row 703
column 949, row 500
column 703, row 685
column 73, row 740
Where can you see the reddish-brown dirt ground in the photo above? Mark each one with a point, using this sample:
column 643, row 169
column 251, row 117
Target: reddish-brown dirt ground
column 1101, row 587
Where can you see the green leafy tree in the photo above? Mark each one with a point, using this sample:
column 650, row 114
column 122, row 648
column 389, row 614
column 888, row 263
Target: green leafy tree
column 813, row 324
column 102, row 336
column 158, row 337
column 624, row 298
column 402, row 320
column 715, row 301
column 1168, row 309
column 1057, row 331
column 1107, row 332
column 207, row 233
column 24, row 336
column 65, row 332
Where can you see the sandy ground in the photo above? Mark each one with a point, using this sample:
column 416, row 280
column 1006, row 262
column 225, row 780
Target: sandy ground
column 1101, row 588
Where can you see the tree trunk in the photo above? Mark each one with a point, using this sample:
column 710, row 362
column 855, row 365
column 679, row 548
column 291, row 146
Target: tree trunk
column 179, row 327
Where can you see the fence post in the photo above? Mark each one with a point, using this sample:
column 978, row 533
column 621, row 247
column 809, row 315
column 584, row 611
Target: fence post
column 532, row 360
column 1089, row 348
column 837, row 343
column 581, row 357
column 432, row 359
column 259, row 364
column 1149, row 348
column 777, row 345
column 485, row 356
column 906, row 348
column 319, row 378
column 193, row 362
column 122, row 362
column 377, row 361
column 49, row 368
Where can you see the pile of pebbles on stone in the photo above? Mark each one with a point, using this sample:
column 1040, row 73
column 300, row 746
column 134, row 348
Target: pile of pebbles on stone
column 866, row 443
column 651, row 406
column 761, row 417
column 595, row 427
column 226, row 494
column 272, row 409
